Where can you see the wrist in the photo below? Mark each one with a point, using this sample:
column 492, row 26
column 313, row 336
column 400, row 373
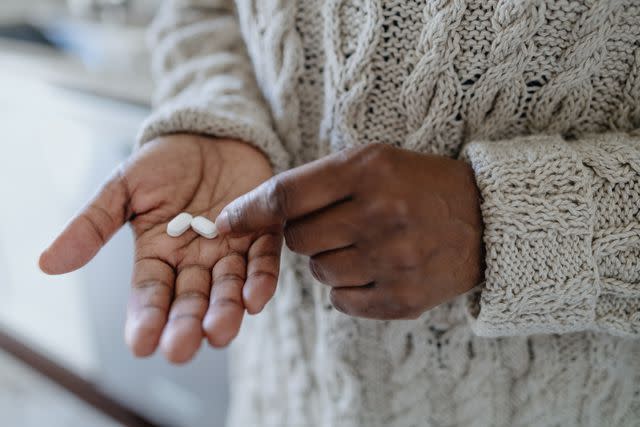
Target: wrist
column 473, row 217
column 227, row 149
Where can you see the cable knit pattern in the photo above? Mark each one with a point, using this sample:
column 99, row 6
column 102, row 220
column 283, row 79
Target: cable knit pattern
column 208, row 88
column 542, row 97
column 550, row 202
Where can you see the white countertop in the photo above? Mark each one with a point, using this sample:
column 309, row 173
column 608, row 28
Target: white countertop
column 57, row 146
column 51, row 66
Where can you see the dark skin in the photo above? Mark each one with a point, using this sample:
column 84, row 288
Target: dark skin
column 184, row 289
column 392, row 232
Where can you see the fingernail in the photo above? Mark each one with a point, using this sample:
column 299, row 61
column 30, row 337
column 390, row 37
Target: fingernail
column 222, row 223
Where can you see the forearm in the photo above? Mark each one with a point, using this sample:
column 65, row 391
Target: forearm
column 205, row 81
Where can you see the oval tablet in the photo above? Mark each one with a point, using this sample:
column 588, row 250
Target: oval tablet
column 204, row 227
column 179, row 224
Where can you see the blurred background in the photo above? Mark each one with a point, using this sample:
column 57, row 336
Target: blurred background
column 74, row 87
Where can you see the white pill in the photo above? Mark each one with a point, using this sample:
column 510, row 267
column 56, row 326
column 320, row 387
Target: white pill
column 204, row 227
column 179, row 224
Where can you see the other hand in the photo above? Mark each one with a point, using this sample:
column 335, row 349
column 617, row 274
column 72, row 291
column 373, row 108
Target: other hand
column 392, row 232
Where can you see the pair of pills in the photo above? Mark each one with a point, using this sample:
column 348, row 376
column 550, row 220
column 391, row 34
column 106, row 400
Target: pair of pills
column 201, row 225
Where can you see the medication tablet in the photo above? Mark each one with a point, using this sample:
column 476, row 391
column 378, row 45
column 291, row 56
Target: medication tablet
column 179, row 224
column 204, row 227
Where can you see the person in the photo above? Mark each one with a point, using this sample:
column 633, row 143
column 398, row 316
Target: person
column 463, row 177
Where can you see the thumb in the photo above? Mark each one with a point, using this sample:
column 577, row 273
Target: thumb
column 89, row 230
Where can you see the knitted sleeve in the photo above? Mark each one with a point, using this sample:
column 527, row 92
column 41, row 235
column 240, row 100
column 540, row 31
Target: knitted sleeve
column 562, row 235
column 205, row 80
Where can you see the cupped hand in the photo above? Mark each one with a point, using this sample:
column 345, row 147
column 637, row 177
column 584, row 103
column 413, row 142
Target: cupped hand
column 183, row 288
column 393, row 232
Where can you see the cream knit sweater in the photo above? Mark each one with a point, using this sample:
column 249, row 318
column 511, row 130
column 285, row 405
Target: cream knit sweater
column 541, row 96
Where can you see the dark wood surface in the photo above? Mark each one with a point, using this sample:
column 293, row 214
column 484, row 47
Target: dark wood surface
column 76, row 385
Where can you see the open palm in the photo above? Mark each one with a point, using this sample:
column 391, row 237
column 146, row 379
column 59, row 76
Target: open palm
column 189, row 287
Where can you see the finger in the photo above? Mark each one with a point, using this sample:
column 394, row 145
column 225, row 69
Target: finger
column 149, row 302
column 341, row 268
column 83, row 237
column 373, row 301
column 183, row 334
column 225, row 312
column 332, row 228
column 288, row 195
column 263, row 267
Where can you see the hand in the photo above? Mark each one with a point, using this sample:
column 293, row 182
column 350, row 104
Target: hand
column 188, row 287
column 393, row 232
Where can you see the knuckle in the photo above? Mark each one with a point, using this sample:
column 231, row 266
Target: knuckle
column 277, row 200
column 365, row 164
column 265, row 275
column 378, row 155
column 401, row 302
column 374, row 151
column 373, row 212
column 409, row 306
column 237, row 217
column 347, row 155
column 397, row 211
column 365, row 307
column 393, row 213
column 294, row 239
column 411, row 314
column 226, row 302
column 227, row 280
column 192, row 295
column 371, row 161
column 338, row 303
column 153, row 288
column 407, row 257
column 97, row 226
column 369, row 309
column 317, row 271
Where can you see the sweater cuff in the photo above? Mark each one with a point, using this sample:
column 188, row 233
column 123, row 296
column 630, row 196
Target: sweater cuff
column 537, row 207
column 178, row 116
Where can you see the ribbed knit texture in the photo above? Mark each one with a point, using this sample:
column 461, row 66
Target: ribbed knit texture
column 541, row 97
